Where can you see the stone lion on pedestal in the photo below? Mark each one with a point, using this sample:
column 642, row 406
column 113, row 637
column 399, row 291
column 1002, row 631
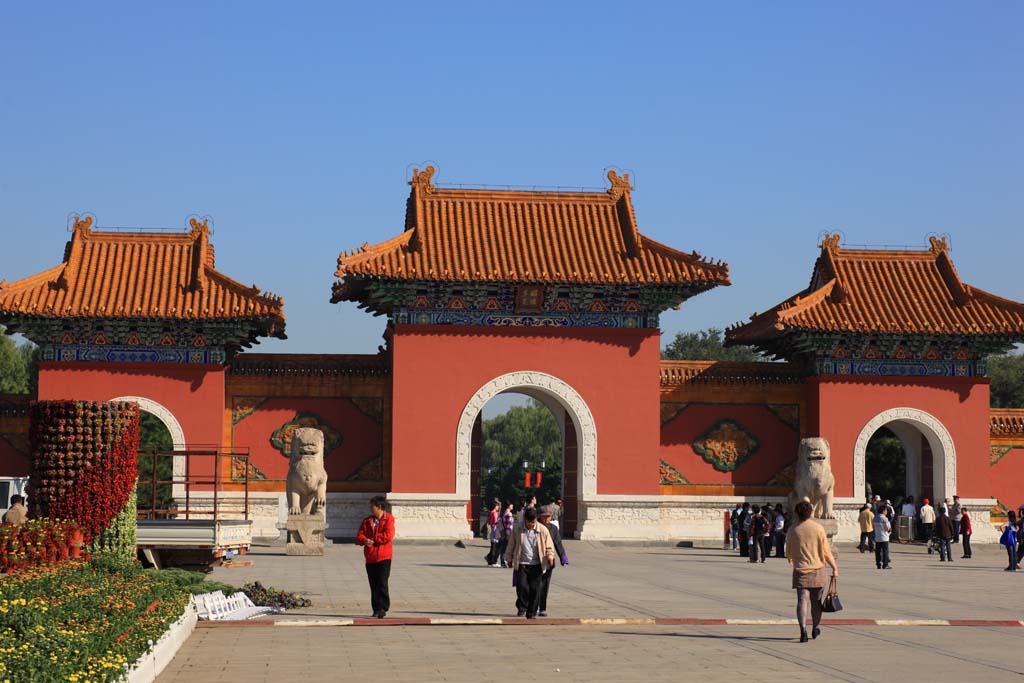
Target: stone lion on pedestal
column 307, row 478
column 814, row 481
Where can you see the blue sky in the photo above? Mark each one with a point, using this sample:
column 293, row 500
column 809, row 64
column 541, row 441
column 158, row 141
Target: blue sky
column 750, row 128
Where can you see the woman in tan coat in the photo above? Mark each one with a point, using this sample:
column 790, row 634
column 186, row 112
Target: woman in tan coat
column 808, row 551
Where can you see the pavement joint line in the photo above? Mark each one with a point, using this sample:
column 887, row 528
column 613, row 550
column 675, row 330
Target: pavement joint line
column 625, row 621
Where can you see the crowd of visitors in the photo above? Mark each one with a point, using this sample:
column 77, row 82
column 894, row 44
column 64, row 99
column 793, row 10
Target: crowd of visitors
column 757, row 531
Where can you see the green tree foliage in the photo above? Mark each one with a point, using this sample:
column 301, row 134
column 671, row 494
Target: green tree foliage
column 886, row 466
column 153, row 436
column 707, row 344
column 17, row 371
column 1007, row 375
column 529, row 434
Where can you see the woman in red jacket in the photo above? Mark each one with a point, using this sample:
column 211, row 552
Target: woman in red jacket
column 375, row 535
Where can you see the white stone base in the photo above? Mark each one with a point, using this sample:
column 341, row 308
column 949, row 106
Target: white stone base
column 147, row 667
column 429, row 517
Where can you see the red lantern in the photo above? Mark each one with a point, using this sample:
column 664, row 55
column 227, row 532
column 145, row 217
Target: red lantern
column 527, row 480
column 539, row 476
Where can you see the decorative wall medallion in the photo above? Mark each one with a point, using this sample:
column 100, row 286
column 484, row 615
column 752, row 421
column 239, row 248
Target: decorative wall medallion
column 669, row 411
column 371, row 407
column 784, row 477
column 787, row 412
column 670, row 476
column 999, row 511
column 244, row 406
column 238, row 467
column 996, row 453
column 373, row 470
column 282, row 438
column 726, row 445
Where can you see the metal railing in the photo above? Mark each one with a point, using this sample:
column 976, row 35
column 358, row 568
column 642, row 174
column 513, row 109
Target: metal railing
column 194, row 470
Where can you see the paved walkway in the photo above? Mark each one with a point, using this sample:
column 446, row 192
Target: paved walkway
column 444, row 581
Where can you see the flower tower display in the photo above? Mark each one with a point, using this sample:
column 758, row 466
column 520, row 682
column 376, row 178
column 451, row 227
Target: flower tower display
column 84, row 467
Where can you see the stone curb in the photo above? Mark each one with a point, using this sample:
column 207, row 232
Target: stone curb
column 546, row 621
column 147, row 667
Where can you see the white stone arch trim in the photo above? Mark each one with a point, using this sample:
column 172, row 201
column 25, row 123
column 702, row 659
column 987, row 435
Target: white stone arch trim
column 161, row 413
column 530, row 382
column 938, row 437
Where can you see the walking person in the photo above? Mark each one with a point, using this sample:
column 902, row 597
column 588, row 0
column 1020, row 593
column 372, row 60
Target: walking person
column 808, row 551
column 375, row 535
column 883, row 528
column 757, row 527
column 530, row 553
column 1008, row 539
column 927, row 515
column 744, row 526
column 508, row 522
column 867, row 531
column 956, row 513
column 1020, row 535
column 494, row 533
column 780, row 531
column 546, row 517
column 965, row 532
column 944, row 530
column 734, row 525
column 556, row 513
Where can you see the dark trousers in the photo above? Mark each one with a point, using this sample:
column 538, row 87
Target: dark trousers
column 928, row 531
column 867, row 541
column 755, row 549
column 945, row 551
column 545, row 584
column 501, row 551
column 528, row 581
column 780, row 544
column 881, row 554
column 378, row 574
column 766, row 547
column 967, row 545
column 956, row 531
column 744, row 548
column 492, row 557
column 1011, row 552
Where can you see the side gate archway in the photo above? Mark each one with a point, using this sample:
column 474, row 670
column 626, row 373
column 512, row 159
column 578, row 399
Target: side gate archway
column 549, row 390
column 935, row 433
column 165, row 416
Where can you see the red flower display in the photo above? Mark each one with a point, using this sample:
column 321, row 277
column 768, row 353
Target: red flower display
column 84, row 461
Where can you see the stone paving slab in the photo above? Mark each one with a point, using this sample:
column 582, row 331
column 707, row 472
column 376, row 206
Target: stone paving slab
column 443, row 581
column 610, row 653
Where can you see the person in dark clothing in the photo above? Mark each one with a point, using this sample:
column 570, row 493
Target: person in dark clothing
column 375, row 535
column 744, row 525
column 1008, row 539
column 944, row 530
column 965, row 532
column 780, row 531
column 545, row 518
column 758, row 530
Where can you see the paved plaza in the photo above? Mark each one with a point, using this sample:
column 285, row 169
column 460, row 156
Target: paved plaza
column 624, row 583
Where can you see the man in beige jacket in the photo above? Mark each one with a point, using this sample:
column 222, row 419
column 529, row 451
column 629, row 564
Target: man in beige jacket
column 18, row 512
column 530, row 553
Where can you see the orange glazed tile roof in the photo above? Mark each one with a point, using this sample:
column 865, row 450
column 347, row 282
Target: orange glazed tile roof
column 886, row 292
column 525, row 236
column 140, row 275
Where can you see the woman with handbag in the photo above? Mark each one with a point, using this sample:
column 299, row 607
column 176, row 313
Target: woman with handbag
column 808, row 551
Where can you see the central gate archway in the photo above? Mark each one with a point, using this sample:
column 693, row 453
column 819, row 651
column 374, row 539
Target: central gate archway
column 553, row 392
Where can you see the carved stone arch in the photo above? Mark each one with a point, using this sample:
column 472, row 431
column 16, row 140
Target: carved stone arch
column 939, row 439
column 165, row 416
column 530, row 383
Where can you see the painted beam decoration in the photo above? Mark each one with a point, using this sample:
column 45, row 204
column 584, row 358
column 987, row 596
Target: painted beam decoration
column 726, row 445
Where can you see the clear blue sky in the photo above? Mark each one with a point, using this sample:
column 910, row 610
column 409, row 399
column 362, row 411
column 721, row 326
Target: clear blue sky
column 750, row 128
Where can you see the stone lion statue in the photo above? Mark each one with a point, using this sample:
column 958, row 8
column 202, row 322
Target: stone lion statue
column 307, row 478
column 814, row 481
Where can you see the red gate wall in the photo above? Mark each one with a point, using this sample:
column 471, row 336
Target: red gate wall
column 438, row 369
column 839, row 409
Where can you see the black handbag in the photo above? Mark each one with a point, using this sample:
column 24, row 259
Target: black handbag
column 831, row 602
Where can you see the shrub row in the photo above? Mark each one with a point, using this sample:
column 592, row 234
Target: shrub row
column 39, row 542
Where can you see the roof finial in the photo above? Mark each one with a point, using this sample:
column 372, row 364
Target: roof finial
column 422, row 178
column 831, row 242
column 939, row 244
column 620, row 184
column 199, row 225
column 82, row 223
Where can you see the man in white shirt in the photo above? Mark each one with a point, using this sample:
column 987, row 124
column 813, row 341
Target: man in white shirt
column 909, row 510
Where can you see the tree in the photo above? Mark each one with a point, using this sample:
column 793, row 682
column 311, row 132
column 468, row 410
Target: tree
column 528, row 434
column 16, row 366
column 886, row 465
column 707, row 344
column 1007, row 374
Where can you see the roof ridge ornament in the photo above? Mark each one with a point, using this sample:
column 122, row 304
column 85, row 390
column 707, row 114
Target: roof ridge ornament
column 421, row 179
column 831, row 242
column 938, row 244
column 620, row 184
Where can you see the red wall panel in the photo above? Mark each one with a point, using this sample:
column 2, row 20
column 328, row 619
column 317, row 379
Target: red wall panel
column 437, row 369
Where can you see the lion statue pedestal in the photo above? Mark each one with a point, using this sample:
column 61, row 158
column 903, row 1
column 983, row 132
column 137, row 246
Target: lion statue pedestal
column 306, row 493
column 814, row 483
